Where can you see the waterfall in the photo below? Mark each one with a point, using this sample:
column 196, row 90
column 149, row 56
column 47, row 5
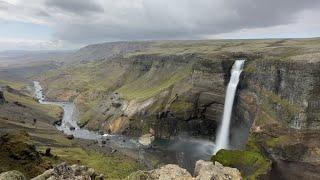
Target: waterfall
column 222, row 138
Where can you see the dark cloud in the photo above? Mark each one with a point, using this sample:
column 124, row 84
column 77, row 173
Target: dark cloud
column 78, row 22
column 81, row 7
column 167, row 19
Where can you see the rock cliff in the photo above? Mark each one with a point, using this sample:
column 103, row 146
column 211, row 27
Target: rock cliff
column 278, row 100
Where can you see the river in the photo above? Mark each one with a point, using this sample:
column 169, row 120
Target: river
column 182, row 150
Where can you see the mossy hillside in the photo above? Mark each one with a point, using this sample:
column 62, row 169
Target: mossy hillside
column 251, row 161
column 154, row 82
column 112, row 166
column 13, row 84
column 94, row 75
column 44, row 136
column 50, row 110
column 18, row 153
column 251, row 164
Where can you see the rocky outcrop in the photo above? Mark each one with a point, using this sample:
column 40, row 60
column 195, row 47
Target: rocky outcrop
column 203, row 171
column 12, row 175
column 63, row 171
column 146, row 139
column 206, row 170
column 18, row 151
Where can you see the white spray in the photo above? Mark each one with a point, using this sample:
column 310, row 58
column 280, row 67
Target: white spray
column 222, row 138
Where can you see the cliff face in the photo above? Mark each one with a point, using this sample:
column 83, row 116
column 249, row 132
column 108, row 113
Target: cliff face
column 278, row 100
column 288, row 90
column 162, row 93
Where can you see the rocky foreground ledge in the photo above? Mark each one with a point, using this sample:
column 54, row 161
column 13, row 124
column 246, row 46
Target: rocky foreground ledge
column 204, row 170
column 60, row 172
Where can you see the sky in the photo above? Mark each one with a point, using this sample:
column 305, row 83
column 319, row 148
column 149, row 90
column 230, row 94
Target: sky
column 71, row 24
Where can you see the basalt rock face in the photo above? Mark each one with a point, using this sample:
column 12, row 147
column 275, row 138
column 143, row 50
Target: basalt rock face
column 291, row 90
column 278, row 100
column 283, row 92
column 194, row 103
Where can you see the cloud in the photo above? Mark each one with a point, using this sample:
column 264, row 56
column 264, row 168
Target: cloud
column 179, row 19
column 75, row 6
column 83, row 22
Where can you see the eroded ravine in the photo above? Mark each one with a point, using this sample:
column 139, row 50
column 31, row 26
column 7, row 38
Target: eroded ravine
column 182, row 150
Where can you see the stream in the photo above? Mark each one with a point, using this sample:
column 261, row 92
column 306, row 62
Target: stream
column 182, row 150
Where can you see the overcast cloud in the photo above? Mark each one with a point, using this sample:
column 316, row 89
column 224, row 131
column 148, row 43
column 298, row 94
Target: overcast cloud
column 73, row 23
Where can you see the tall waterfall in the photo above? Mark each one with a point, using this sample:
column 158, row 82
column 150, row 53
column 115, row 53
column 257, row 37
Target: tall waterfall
column 222, row 138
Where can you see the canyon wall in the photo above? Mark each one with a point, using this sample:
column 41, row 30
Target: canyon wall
column 278, row 105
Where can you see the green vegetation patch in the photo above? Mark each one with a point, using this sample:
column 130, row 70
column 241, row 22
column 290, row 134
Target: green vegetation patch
column 251, row 164
column 180, row 106
column 112, row 166
column 281, row 140
column 51, row 110
column 15, row 85
column 147, row 86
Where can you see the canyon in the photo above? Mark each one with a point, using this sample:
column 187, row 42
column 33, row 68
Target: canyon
column 168, row 88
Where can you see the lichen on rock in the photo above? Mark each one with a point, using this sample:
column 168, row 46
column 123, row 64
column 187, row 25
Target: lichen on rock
column 12, row 175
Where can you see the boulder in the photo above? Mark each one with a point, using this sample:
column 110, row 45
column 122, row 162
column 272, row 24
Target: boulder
column 146, row 139
column 64, row 171
column 170, row 171
column 70, row 136
column 12, row 175
column 206, row 170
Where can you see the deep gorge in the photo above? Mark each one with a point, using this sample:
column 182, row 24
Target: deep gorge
column 165, row 94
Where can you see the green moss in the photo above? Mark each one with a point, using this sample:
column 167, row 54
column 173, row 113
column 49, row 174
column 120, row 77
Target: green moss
column 281, row 140
column 180, row 106
column 112, row 166
column 251, row 164
column 252, row 145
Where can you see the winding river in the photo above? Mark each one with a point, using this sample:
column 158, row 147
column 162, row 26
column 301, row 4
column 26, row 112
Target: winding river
column 182, row 150
column 70, row 127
